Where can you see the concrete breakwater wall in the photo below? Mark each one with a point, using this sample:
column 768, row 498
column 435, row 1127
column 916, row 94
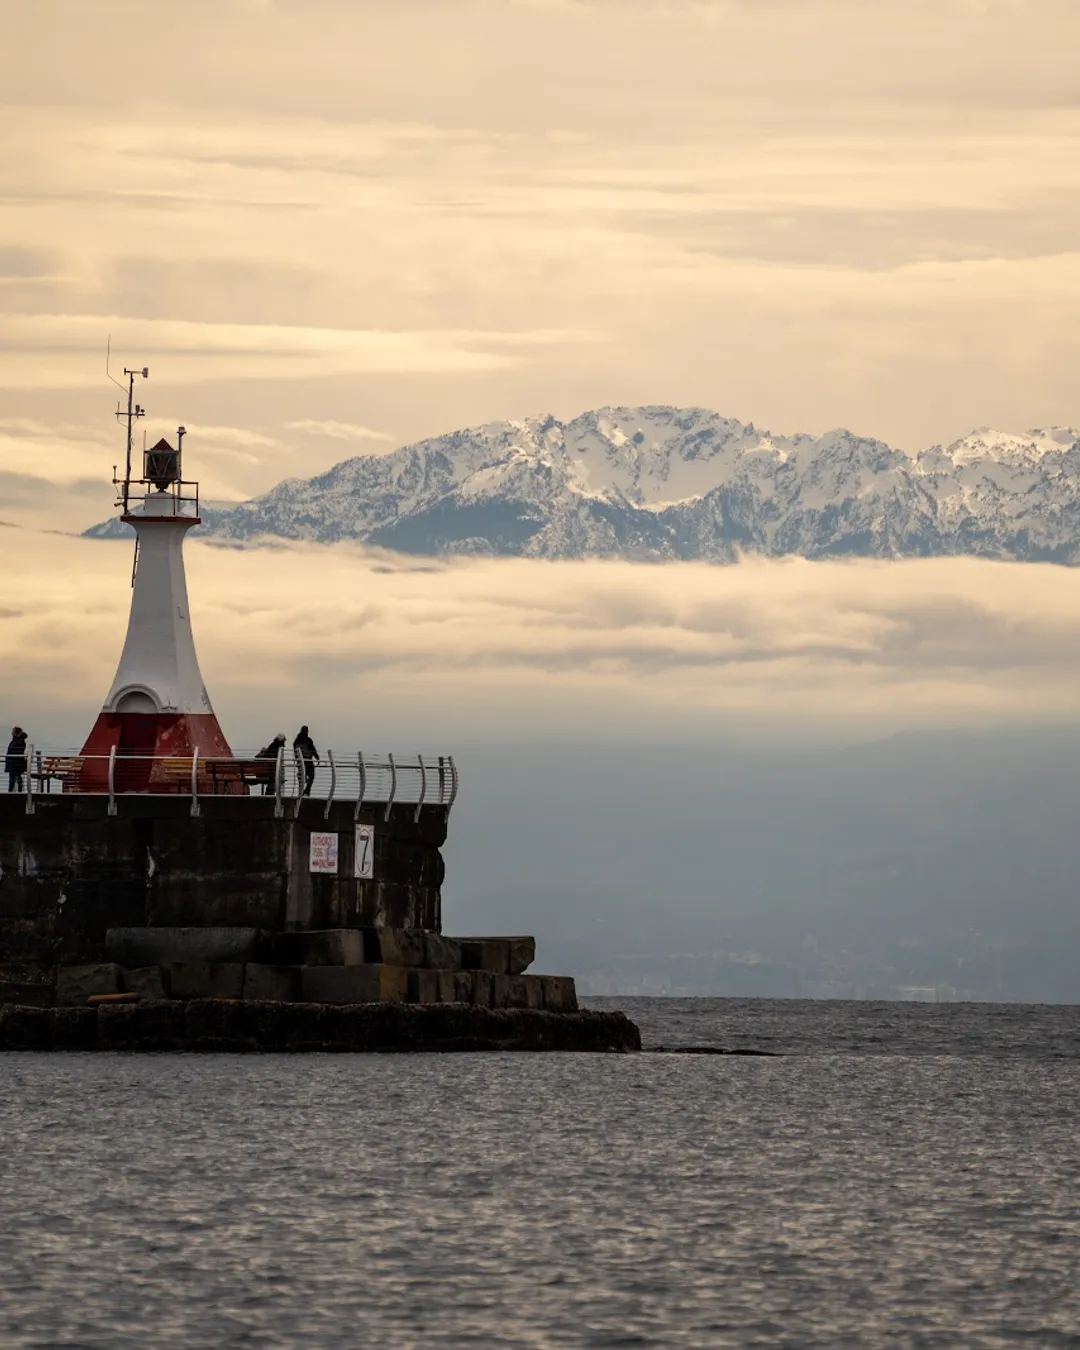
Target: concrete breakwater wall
column 70, row 871
column 348, row 965
column 236, row 1026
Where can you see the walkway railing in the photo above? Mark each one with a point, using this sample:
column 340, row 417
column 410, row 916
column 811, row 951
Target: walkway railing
column 353, row 776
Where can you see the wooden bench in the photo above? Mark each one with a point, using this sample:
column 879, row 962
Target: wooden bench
column 173, row 775
column 258, row 772
column 215, row 777
column 65, row 769
column 227, row 774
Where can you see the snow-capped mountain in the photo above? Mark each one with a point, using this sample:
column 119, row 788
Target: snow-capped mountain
column 661, row 483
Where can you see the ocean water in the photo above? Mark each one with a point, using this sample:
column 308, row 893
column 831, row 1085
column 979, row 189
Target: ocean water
column 898, row 1175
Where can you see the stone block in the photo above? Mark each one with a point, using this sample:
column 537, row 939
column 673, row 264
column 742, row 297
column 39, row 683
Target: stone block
column 490, row 954
column 441, row 953
column 482, row 987
column 521, row 955
column 423, row 986
column 135, row 947
column 456, row 986
column 394, row 946
column 275, row 984
column 75, row 984
column 500, row 992
column 375, row 983
column 29, row 940
column 324, row 947
column 393, row 984
column 527, row 991
column 500, row 955
column 560, row 993
column 29, row 984
column 30, row 994
column 147, row 981
column 206, row 979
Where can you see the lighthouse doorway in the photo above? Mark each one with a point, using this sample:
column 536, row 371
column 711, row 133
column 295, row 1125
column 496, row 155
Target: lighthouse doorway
column 135, row 746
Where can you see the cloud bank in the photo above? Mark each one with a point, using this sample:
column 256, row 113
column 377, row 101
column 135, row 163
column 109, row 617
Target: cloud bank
column 377, row 650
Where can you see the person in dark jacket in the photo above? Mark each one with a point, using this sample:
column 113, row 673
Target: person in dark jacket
column 271, row 751
column 15, row 765
column 305, row 748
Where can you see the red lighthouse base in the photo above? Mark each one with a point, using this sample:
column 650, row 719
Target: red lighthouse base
column 142, row 741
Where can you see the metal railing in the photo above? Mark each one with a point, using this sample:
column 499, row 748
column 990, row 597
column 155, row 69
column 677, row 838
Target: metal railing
column 180, row 495
column 353, row 776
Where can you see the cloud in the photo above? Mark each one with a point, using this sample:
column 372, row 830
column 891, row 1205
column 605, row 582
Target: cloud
column 54, row 350
column 20, row 263
column 245, row 438
column 380, row 647
column 338, row 431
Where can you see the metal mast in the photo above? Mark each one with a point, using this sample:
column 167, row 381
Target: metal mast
column 134, row 412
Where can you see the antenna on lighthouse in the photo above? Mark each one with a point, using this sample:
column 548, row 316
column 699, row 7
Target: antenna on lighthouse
column 130, row 416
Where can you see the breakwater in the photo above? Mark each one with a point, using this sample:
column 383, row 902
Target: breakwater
column 247, row 923
column 228, row 1025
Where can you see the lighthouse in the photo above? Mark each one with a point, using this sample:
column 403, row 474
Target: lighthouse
column 157, row 706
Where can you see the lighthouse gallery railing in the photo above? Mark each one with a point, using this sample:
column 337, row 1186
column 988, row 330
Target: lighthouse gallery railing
column 354, row 776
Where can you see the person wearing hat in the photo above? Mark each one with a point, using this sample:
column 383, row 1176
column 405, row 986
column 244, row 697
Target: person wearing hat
column 15, row 765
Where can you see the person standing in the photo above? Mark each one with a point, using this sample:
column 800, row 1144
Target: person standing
column 305, row 748
column 15, row 765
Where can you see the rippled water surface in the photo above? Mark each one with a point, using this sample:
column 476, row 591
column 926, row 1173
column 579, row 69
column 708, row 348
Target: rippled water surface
column 901, row 1176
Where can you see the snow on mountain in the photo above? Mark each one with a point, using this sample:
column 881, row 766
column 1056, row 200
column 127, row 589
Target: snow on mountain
column 661, row 483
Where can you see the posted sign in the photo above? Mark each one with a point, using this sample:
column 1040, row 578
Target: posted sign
column 324, row 853
column 365, row 852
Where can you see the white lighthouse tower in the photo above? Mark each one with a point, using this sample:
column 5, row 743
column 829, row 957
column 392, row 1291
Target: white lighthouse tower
column 157, row 706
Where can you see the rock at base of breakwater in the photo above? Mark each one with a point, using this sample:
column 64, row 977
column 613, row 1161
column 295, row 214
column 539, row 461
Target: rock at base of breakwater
column 234, row 1025
column 711, row 1050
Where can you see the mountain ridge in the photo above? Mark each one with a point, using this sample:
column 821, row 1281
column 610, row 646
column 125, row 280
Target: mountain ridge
column 665, row 483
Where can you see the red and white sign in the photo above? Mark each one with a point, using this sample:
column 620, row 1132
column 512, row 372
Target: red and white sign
column 324, row 853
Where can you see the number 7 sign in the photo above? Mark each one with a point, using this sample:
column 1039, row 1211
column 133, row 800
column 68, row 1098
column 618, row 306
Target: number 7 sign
column 364, row 863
